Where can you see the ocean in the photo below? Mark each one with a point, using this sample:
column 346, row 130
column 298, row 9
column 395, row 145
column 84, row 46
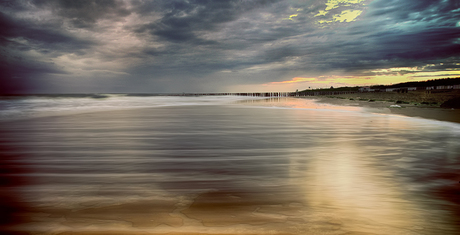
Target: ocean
column 126, row 164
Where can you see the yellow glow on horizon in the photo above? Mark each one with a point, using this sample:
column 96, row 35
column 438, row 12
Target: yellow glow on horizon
column 430, row 75
column 381, row 77
column 376, row 77
column 295, row 80
column 396, row 69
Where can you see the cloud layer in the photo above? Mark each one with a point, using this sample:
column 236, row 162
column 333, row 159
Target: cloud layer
column 200, row 45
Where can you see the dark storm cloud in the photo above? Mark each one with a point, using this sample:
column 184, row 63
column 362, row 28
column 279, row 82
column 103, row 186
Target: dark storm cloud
column 426, row 45
column 183, row 21
column 17, row 74
column 84, row 13
column 43, row 36
column 19, row 36
column 372, row 43
column 413, row 9
column 394, row 34
column 431, row 30
column 244, row 41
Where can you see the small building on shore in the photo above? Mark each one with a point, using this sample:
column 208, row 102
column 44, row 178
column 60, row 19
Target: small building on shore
column 366, row 89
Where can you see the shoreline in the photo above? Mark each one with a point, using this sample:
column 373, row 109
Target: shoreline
column 426, row 111
column 412, row 104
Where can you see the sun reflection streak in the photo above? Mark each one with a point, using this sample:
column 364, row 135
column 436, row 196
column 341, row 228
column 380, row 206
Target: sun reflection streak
column 350, row 182
column 338, row 180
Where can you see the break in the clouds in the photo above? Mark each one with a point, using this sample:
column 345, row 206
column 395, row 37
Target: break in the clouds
column 213, row 46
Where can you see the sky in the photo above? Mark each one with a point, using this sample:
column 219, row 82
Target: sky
column 164, row 46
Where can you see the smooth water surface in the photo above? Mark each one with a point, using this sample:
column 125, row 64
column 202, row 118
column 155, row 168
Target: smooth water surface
column 284, row 166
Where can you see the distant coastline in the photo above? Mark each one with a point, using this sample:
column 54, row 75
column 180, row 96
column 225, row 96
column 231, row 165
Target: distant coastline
column 413, row 98
column 437, row 106
column 444, row 93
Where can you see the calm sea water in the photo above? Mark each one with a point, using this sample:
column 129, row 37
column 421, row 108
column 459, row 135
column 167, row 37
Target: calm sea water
column 231, row 165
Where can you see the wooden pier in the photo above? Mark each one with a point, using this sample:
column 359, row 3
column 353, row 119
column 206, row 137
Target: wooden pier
column 255, row 94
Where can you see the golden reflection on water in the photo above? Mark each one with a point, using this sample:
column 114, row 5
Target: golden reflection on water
column 344, row 178
column 339, row 180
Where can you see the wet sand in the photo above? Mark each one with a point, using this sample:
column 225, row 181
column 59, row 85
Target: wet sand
column 229, row 170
